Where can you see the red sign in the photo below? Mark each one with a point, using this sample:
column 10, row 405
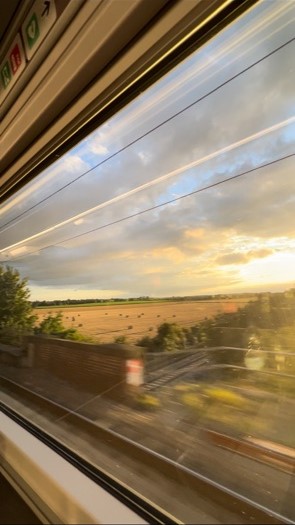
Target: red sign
column 15, row 59
column 134, row 369
column 12, row 66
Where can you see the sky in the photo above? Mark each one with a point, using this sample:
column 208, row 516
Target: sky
column 234, row 233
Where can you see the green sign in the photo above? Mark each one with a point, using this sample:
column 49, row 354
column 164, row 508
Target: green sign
column 38, row 23
column 32, row 31
column 5, row 75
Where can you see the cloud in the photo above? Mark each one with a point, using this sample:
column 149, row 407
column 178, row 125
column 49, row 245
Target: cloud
column 170, row 253
column 242, row 258
column 99, row 149
column 196, row 244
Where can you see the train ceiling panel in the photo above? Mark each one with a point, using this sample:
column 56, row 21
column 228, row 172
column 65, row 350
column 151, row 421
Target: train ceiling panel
column 8, row 10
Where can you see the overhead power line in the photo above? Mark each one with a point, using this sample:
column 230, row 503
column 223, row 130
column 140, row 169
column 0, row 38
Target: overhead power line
column 152, row 182
column 124, row 148
column 155, row 207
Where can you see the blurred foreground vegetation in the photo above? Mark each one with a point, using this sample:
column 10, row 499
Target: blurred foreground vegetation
column 264, row 324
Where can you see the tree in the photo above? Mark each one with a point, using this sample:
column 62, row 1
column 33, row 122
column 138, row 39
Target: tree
column 146, row 342
column 170, row 337
column 53, row 325
column 16, row 317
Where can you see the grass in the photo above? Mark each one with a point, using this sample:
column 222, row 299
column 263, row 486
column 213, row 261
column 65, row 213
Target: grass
column 129, row 302
column 106, row 303
column 147, row 402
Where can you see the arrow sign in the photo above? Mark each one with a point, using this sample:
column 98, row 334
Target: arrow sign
column 47, row 8
column 37, row 25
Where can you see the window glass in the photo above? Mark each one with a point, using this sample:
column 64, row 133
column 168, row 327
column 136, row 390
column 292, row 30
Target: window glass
column 160, row 257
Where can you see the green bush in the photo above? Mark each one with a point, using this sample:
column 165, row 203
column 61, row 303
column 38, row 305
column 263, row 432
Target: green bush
column 120, row 339
column 193, row 401
column 228, row 397
column 53, row 325
column 147, row 402
column 145, row 341
column 182, row 388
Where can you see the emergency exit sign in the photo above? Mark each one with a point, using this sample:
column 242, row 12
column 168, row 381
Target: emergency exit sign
column 37, row 25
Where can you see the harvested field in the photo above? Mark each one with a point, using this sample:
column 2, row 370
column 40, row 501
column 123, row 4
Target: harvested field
column 105, row 323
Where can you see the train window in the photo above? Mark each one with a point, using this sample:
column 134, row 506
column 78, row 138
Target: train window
column 155, row 334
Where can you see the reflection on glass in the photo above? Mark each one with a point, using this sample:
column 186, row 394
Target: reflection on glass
column 160, row 254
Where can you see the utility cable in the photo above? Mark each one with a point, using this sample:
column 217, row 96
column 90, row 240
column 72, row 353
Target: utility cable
column 157, row 206
column 124, row 148
column 152, row 182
